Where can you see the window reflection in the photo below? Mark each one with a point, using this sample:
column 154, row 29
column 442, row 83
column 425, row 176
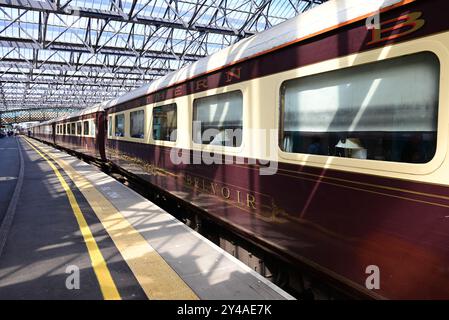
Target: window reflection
column 119, row 125
column 218, row 119
column 165, row 122
column 86, row 128
column 137, row 119
column 383, row 111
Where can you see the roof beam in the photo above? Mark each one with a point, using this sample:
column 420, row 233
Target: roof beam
column 117, row 16
column 61, row 81
column 92, row 76
column 87, row 67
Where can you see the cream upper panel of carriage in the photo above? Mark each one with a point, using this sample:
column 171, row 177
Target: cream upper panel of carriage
column 81, row 128
column 45, row 129
column 63, row 125
column 173, row 122
column 320, row 18
column 378, row 112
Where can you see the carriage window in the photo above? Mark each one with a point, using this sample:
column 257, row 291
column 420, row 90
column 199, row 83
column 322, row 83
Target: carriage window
column 78, row 128
column 383, row 111
column 218, row 119
column 110, row 126
column 119, row 125
column 86, row 128
column 72, row 127
column 137, row 120
column 92, row 128
column 165, row 122
column 63, row 129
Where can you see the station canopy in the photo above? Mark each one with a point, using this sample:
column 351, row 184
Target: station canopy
column 65, row 55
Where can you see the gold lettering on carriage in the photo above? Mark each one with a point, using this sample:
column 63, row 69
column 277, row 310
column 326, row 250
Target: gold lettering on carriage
column 232, row 74
column 227, row 193
column 408, row 23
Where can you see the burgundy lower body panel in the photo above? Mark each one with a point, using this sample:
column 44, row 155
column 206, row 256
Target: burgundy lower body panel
column 83, row 145
column 44, row 137
column 338, row 222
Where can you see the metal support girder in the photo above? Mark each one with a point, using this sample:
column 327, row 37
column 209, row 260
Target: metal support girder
column 88, row 67
column 60, row 81
column 117, row 16
column 95, row 77
column 80, row 48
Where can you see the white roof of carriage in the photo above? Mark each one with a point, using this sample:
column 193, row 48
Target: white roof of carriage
column 89, row 110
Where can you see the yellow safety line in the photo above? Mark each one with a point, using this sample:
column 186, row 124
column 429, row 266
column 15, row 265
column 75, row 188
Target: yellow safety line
column 107, row 285
column 157, row 279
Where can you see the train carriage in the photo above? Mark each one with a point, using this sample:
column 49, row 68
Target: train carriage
column 82, row 132
column 44, row 131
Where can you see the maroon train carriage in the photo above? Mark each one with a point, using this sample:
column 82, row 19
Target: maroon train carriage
column 44, row 131
column 82, row 132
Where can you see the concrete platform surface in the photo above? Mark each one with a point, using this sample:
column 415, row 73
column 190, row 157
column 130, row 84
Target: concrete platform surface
column 71, row 216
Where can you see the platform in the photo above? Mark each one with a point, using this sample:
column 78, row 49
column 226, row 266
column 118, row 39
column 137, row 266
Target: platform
column 72, row 232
